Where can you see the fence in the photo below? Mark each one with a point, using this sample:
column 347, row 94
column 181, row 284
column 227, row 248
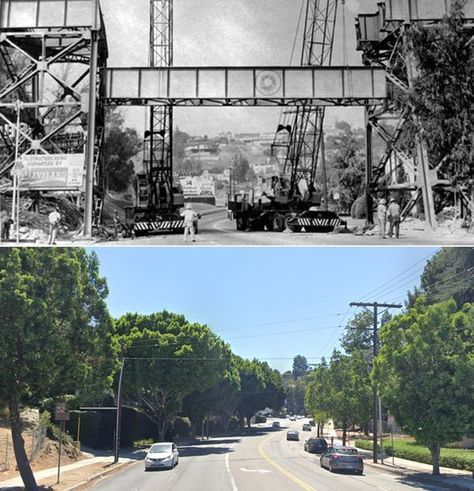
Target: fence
column 34, row 441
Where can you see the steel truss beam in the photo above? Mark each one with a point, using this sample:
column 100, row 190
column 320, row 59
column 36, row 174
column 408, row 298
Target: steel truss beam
column 215, row 86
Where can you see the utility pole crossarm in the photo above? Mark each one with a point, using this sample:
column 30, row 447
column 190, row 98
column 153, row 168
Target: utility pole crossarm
column 373, row 304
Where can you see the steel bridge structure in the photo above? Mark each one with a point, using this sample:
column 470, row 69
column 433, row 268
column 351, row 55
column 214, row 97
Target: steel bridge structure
column 38, row 37
column 382, row 37
column 53, row 52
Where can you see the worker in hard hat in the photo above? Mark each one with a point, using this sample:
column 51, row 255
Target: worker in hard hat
column 190, row 218
column 382, row 217
column 393, row 215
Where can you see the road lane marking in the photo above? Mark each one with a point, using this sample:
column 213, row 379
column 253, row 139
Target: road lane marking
column 260, row 471
column 277, row 466
column 231, row 477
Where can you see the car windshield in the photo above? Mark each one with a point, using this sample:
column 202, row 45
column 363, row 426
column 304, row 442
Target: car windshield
column 160, row 447
column 347, row 451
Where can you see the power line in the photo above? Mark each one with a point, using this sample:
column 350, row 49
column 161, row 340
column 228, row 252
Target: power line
column 395, row 277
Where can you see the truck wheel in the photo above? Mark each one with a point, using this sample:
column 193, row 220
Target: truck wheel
column 241, row 223
column 278, row 222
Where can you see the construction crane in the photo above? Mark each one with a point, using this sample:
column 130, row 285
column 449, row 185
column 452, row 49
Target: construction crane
column 297, row 146
column 157, row 200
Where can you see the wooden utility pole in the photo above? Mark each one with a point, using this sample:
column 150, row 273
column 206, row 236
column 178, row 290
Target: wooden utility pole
column 375, row 350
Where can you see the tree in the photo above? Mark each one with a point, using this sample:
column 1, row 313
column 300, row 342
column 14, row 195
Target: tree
column 295, row 394
column 424, row 373
column 120, row 145
column 260, row 387
column 55, row 332
column 447, row 275
column 317, row 395
column 346, row 164
column 358, row 335
column 169, row 359
column 300, row 366
column 242, row 170
column 443, row 92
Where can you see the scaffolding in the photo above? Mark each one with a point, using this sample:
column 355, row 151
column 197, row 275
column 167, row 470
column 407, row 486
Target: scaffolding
column 53, row 51
column 383, row 38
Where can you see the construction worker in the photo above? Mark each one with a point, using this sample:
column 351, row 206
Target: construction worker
column 382, row 217
column 53, row 218
column 117, row 224
column 393, row 215
column 190, row 217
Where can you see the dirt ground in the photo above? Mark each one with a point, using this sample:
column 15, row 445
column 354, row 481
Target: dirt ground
column 47, row 458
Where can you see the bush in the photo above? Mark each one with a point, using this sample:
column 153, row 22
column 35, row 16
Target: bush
column 455, row 458
column 144, row 443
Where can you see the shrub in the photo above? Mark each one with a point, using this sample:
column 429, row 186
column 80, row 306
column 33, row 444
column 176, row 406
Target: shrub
column 455, row 458
column 144, row 443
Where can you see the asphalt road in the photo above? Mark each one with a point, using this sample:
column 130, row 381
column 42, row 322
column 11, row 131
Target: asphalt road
column 216, row 229
column 258, row 462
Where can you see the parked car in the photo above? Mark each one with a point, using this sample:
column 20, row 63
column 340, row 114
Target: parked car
column 342, row 458
column 306, row 427
column 161, row 455
column 292, row 435
column 292, row 418
column 316, row 445
column 276, row 424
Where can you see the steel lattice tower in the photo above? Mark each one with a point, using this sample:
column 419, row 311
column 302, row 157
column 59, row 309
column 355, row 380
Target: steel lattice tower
column 158, row 154
column 307, row 128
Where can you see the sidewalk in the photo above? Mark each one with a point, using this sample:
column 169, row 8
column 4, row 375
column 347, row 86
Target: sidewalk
column 91, row 467
column 418, row 471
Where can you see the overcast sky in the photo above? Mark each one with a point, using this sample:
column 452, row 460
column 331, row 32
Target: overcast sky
column 266, row 302
column 226, row 33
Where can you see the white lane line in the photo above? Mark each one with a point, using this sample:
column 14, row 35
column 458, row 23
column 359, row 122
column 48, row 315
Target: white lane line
column 231, row 478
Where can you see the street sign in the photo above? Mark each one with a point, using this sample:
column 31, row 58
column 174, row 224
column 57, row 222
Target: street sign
column 61, row 413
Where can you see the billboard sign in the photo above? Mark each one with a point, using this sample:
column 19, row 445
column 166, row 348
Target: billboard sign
column 53, row 171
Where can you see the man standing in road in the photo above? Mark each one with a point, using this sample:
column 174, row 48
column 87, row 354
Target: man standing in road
column 53, row 218
column 381, row 217
column 190, row 217
column 393, row 215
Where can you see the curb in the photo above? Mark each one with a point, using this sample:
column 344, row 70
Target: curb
column 417, row 476
column 99, row 475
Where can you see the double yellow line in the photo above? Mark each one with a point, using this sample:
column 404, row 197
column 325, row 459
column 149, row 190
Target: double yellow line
column 281, row 469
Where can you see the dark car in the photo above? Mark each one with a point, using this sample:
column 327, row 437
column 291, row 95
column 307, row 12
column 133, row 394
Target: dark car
column 342, row 458
column 292, row 435
column 306, row 427
column 316, row 445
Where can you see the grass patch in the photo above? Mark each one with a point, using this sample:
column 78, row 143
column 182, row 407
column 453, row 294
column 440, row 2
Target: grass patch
column 454, row 458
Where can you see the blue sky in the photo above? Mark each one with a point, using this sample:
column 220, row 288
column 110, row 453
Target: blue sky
column 228, row 33
column 269, row 303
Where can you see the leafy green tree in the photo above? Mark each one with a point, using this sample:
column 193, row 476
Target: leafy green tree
column 317, row 395
column 168, row 358
column 358, row 335
column 55, row 332
column 295, row 394
column 448, row 275
column 300, row 366
column 260, row 386
column 424, row 373
column 443, row 92
column 349, row 391
column 120, row 145
column 220, row 400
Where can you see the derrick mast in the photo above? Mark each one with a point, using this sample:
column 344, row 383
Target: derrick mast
column 304, row 140
column 158, row 138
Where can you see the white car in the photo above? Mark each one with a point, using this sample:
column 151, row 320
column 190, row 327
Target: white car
column 161, row 455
